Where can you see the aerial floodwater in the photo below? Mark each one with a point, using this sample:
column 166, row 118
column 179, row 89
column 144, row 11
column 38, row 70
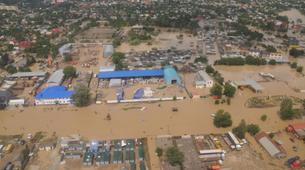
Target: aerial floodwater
column 152, row 85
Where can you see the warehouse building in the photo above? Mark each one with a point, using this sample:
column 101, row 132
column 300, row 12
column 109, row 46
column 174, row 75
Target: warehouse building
column 273, row 148
column 28, row 75
column 108, row 50
column 203, row 80
column 54, row 95
column 252, row 84
column 171, row 76
column 56, row 78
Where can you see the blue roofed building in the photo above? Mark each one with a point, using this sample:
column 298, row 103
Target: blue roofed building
column 131, row 74
column 171, row 76
column 54, row 95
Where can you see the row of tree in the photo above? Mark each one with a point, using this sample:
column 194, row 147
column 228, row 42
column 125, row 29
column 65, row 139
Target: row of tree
column 237, row 61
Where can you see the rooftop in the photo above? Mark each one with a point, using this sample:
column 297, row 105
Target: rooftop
column 54, row 92
column 28, row 74
column 130, row 74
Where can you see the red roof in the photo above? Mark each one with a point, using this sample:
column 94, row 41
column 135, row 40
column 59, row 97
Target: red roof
column 298, row 126
column 25, row 44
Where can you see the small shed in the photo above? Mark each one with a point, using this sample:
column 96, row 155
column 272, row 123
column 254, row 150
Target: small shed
column 115, row 83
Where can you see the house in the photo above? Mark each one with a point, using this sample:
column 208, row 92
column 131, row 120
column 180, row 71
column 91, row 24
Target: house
column 278, row 57
column 56, row 78
column 54, row 95
column 274, row 149
column 297, row 129
column 202, row 79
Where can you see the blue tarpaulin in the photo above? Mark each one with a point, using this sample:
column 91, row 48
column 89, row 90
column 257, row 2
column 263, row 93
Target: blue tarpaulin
column 131, row 74
column 138, row 94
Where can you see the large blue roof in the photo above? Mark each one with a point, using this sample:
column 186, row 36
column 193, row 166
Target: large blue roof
column 131, row 73
column 54, row 92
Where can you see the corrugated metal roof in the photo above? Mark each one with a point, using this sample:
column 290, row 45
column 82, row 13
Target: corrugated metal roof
column 131, row 74
column 269, row 146
column 28, row 74
column 251, row 83
column 203, row 76
column 54, row 92
column 171, row 74
column 56, row 77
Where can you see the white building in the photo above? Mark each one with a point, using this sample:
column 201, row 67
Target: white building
column 278, row 57
column 202, row 79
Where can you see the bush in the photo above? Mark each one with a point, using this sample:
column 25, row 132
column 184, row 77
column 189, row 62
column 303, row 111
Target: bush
column 228, row 101
column 296, row 53
column 300, row 69
column 159, row 152
column 216, row 102
column 67, row 58
column 11, row 69
column 264, row 117
column 253, row 129
column 294, row 65
column 272, row 62
column 240, row 130
column 222, row 119
column 174, row 156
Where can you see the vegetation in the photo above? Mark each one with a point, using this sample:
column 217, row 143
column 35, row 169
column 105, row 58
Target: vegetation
column 174, row 156
column 264, row 117
column 249, row 60
column 159, row 152
column 69, row 71
column 222, row 119
column 240, row 130
column 299, row 69
column 253, row 129
column 201, row 59
column 272, row 62
column 67, row 58
column 286, row 110
column 294, row 65
column 216, row 90
column 11, row 69
column 209, row 69
column 296, row 53
column 229, row 90
column 81, row 97
column 117, row 59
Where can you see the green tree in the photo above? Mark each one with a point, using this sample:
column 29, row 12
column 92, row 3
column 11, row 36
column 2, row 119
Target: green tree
column 216, row 90
column 229, row 90
column 222, row 119
column 209, row 69
column 296, row 53
column 253, row 129
column 240, row 130
column 69, row 71
column 286, row 110
column 300, row 69
column 272, row 62
column 81, row 97
column 174, row 156
column 159, row 152
column 294, row 65
column 117, row 59
column 11, row 69
column 67, row 58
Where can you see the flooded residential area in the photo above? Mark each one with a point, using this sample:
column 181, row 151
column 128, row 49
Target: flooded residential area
column 156, row 85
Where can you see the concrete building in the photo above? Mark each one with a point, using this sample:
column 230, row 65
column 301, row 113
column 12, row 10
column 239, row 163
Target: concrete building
column 252, row 84
column 28, row 74
column 273, row 148
column 54, row 95
column 202, row 79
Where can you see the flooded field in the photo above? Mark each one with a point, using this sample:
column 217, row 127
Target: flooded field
column 164, row 40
